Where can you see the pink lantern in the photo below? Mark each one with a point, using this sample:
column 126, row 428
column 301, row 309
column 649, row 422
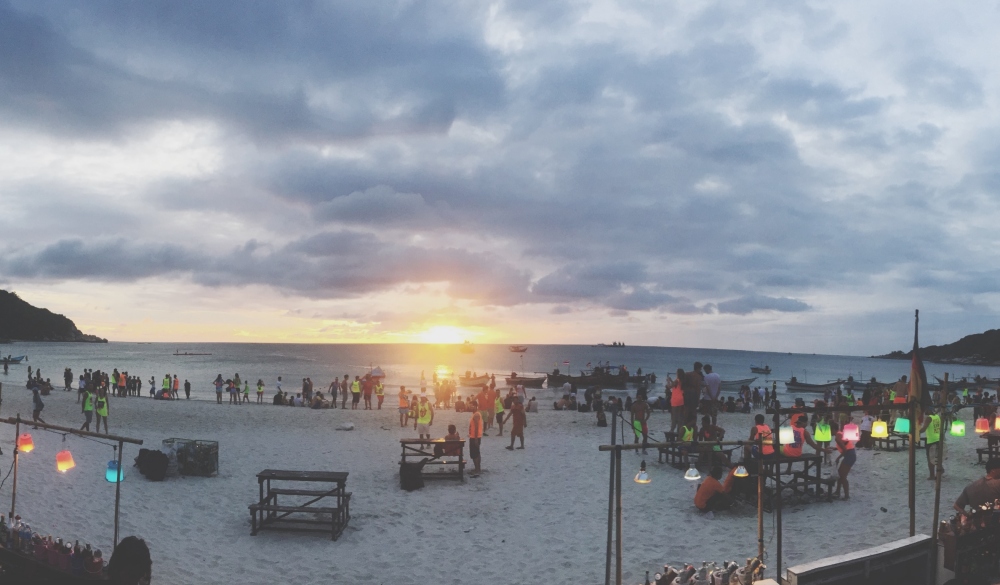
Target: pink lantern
column 851, row 432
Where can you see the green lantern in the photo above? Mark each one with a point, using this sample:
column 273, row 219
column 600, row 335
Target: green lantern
column 958, row 428
column 823, row 433
column 902, row 426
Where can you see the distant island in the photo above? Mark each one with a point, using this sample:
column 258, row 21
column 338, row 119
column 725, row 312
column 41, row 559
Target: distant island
column 23, row 322
column 978, row 349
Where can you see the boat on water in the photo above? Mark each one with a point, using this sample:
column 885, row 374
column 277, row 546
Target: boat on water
column 759, row 370
column 183, row 353
column 471, row 380
column 794, row 385
column 15, row 360
column 517, row 348
column 735, row 385
column 526, row 381
column 603, row 376
column 467, row 347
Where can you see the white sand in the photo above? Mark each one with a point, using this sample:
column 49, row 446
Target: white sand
column 536, row 516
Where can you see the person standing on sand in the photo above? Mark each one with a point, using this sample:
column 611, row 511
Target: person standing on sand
column 498, row 408
column 260, row 393
column 677, row 403
column 246, row 391
column 101, row 407
column 935, row 449
column 475, row 441
column 218, row 388
column 88, row 409
column 344, row 391
column 640, row 418
column 425, row 418
column 366, row 391
column 520, row 422
column 175, row 391
column 334, row 390
column 404, row 407
column 355, row 392
column 379, row 392
column 848, row 456
column 691, row 385
column 713, row 387
column 37, row 405
column 187, row 390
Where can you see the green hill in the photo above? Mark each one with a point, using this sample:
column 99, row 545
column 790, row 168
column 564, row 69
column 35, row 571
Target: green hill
column 21, row 321
column 978, row 349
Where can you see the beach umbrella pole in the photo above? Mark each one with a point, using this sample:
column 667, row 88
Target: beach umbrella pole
column 940, row 467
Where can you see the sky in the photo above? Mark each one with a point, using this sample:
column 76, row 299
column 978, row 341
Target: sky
column 768, row 176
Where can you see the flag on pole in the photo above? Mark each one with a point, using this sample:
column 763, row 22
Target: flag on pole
column 918, row 375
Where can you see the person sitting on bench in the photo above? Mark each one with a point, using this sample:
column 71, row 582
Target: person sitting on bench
column 714, row 495
column 449, row 450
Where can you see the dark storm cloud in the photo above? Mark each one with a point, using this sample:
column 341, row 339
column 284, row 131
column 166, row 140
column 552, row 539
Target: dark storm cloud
column 259, row 68
column 751, row 303
column 334, row 264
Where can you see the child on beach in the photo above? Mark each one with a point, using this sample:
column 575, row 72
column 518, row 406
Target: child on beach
column 260, row 391
column 520, row 422
column 848, row 456
column 218, row 388
column 246, row 391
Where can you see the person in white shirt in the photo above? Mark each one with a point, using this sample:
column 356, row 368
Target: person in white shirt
column 866, row 430
column 713, row 387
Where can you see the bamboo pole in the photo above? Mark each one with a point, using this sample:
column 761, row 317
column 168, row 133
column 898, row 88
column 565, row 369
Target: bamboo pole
column 913, row 468
column 760, row 498
column 939, row 470
column 618, row 518
column 13, row 488
column 118, row 489
column 12, row 421
column 611, row 500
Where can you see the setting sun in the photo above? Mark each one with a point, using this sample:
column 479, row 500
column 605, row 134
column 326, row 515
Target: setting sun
column 444, row 334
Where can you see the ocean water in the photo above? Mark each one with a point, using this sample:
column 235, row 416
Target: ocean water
column 404, row 363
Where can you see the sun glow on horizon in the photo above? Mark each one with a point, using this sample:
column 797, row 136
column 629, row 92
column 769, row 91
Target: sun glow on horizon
column 443, row 334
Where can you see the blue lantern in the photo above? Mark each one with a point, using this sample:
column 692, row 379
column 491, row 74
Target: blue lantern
column 114, row 474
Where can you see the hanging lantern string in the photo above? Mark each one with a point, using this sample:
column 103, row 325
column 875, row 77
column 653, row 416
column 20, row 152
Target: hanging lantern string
column 8, row 474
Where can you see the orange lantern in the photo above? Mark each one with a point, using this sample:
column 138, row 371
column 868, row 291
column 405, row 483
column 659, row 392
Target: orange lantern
column 996, row 424
column 982, row 425
column 25, row 444
column 64, row 460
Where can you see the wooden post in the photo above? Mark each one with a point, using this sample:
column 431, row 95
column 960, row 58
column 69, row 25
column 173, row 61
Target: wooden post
column 611, row 500
column 118, row 489
column 13, row 488
column 913, row 468
column 776, row 440
column 760, row 498
column 618, row 519
column 940, row 466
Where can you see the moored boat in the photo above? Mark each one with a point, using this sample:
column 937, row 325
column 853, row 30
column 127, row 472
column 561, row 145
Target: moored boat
column 470, row 380
column 794, row 385
column 735, row 385
column 517, row 348
column 467, row 347
column 15, row 360
column 759, row 370
column 526, row 381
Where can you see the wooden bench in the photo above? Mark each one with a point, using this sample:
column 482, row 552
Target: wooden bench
column 424, row 451
column 989, row 453
column 887, row 444
column 268, row 513
column 807, row 480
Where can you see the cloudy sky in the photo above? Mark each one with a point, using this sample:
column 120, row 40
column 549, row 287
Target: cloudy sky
column 782, row 176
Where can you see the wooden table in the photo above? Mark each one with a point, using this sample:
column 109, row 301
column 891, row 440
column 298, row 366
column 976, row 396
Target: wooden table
column 451, row 453
column 267, row 513
column 808, row 476
column 992, row 450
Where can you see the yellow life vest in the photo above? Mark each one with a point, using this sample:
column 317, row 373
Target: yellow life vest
column 424, row 414
column 355, row 386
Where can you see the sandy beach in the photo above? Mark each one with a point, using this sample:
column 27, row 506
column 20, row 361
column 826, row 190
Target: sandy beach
column 537, row 515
